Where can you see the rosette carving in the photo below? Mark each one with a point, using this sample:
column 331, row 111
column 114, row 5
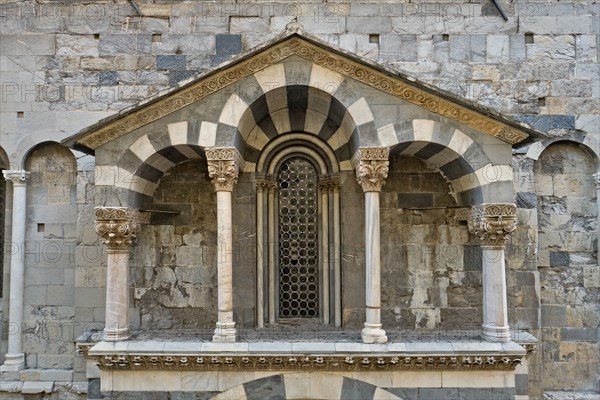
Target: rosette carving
column 118, row 226
column 223, row 167
column 372, row 167
column 493, row 223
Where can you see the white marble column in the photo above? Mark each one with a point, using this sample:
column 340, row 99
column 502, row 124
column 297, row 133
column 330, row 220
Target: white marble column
column 260, row 318
column 597, row 183
column 15, row 358
column 336, row 253
column 324, row 187
column 492, row 224
column 371, row 164
column 223, row 169
column 118, row 227
column 272, row 243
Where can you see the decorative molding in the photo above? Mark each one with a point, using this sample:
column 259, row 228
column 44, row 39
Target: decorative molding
column 83, row 348
column 372, row 166
column 119, row 226
column 296, row 46
column 204, row 362
column 18, row 177
column 266, row 184
column 224, row 165
column 493, row 223
column 597, row 180
column 456, row 215
column 329, row 183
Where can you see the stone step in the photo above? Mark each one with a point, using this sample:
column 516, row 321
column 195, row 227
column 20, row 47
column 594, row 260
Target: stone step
column 46, row 375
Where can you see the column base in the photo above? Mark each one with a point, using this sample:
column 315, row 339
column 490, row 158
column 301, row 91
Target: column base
column 116, row 335
column 225, row 332
column 372, row 333
column 13, row 363
column 493, row 333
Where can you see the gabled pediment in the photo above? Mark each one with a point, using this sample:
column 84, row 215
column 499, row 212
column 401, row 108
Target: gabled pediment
column 293, row 44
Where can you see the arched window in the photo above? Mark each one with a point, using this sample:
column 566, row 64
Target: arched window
column 298, row 261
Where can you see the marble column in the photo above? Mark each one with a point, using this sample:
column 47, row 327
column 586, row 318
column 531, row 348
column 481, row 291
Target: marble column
column 597, row 183
column 263, row 186
column 371, row 164
column 492, row 224
column 15, row 358
column 223, row 168
column 272, row 243
column 324, row 188
column 336, row 254
column 118, row 227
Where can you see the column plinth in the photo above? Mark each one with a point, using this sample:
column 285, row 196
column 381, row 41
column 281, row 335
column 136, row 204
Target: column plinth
column 15, row 358
column 223, row 169
column 372, row 167
column 492, row 224
column 118, row 227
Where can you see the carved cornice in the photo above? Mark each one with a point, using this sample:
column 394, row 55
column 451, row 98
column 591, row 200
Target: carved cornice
column 224, row 165
column 83, row 348
column 299, row 47
column 197, row 362
column 17, row 177
column 372, row 166
column 118, row 226
column 493, row 223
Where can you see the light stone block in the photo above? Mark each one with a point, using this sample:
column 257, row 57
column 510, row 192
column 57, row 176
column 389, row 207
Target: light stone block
column 316, row 347
column 233, row 110
column 271, row 77
column 417, row 379
column 206, row 381
column 481, row 379
column 325, row 79
column 178, row 132
column 361, row 112
column 324, row 386
column 237, row 393
column 160, row 381
column 208, row 134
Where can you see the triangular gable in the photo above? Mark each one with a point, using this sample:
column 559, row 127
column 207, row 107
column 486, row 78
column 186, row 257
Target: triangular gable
column 315, row 51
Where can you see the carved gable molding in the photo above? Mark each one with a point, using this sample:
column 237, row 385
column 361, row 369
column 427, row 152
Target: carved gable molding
column 118, row 226
column 493, row 223
column 296, row 46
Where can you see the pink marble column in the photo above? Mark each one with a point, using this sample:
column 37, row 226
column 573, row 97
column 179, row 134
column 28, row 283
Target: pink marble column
column 223, row 169
column 118, row 228
column 371, row 164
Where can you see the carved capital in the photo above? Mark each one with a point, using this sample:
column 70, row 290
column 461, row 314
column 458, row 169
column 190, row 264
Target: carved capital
column 493, row 223
column 597, row 180
column 266, row 184
column 118, row 226
column 223, row 167
column 329, row 183
column 17, row 177
column 372, row 166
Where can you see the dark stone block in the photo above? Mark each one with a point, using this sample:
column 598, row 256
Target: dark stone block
column 526, row 200
column 107, row 78
column 178, row 75
column 559, row 259
column 503, row 393
column 228, row 45
column 472, row 258
column 408, row 200
column 522, row 384
column 171, row 62
column 353, row 389
column 553, row 316
column 405, row 393
column 579, row 334
column 525, row 278
column 269, row 388
column 438, row 394
column 474, row 393
column 94, row 389
column 547, row 122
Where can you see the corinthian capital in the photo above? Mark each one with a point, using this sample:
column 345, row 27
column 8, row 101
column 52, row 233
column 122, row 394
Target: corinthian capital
column 223, row 167
column 492, row 223
column 17, row 177
column 118, row 226
column 372, row 166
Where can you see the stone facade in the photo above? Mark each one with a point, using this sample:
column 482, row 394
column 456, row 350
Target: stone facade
column 66, row 66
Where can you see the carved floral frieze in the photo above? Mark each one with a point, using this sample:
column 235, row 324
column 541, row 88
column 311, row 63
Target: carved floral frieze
column 305, row 362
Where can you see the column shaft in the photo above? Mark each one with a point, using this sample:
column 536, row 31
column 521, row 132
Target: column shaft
column 225, row 331
column 259, row 257
column 337, row 273
column 272, row 243
column 15, row 359
column 495, row 314
column 325, row 255
column 117, row 296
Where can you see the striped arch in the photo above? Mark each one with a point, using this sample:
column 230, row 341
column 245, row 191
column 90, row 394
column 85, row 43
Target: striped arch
column 590, row 141
column 454, row 154
column 149, row 157
column 307, row 385
column 292, row 97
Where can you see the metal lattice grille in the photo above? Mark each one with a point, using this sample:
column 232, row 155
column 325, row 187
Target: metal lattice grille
column 298, row 243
